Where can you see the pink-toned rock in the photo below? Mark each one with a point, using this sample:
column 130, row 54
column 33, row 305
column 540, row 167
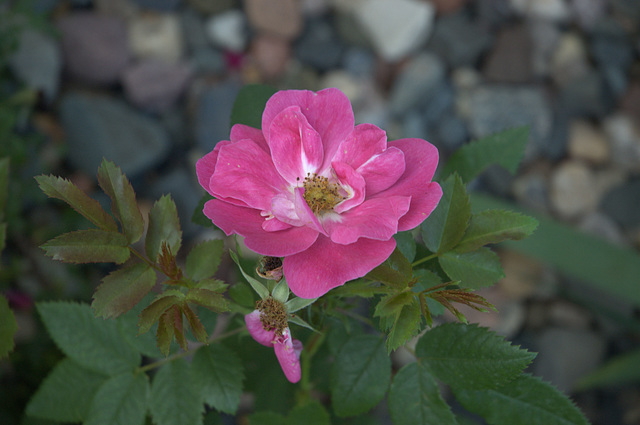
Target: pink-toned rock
column 94, row 47
column 444, row 7
column 281, row 17
column 155, row 85
column 271, row 54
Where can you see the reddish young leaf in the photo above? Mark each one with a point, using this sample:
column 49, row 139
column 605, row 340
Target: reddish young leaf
column 196, row 326
column 152, row 313
column 164, row 227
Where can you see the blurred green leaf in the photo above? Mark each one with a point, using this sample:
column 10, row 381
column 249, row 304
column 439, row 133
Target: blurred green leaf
column 590, row 259
column 3, row 237
column 121, row 399
column 164, row 226
column 123, row 199
column 406, row 243
column 392, row 304
column 444, row 228
column 476, row 269
column 217, row 372
column 405, row 325
column 494, row 226
column 505, row 148
column 395, row 271
column 128, row 325
column 203, row 259
column 250, row 103
column 88, row 246
column 525, row 401
column 59, row 188
column 471, row 357
column 122, row 289
column 198, row 216
column 94, row 343
column 4, row 185
column 257, row 286
column 8, row 327
column 620, row 370
column 267, row 418
column 360, row 375
column 174, row 399
column 309, row 413
column 414, row 398
column 295, row 304
column 66, row 393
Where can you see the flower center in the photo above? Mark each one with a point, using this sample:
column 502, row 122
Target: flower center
column 321, row 195
column 273, row 315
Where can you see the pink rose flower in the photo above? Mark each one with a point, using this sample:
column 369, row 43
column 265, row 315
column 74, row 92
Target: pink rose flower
column 314, row 189
column 287, row 349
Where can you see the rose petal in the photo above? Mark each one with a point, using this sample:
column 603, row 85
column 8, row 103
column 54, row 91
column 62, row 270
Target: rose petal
column 327, row 111
column 288, row 357
column 352, row 182
column 245, row 172
column 207, row 165
column 241, row 131
column 365, row 141
column 421, row 206
column 257, row 331
column 247, row 222
column 373, row 219
column 382, row 170
column 296, row 148
column 325, row 265
column 305, row 213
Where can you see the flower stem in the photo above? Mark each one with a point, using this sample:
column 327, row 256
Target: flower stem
column 311, row 348
column 424, row 260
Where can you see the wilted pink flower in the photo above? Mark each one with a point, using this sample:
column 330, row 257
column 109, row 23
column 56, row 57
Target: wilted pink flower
column 313, row 189
column 287, row 349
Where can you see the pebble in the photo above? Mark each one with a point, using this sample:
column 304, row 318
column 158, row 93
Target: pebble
column 319, row 47
column 194, row 32
column 208, row 61
column 586, row 96
column 95, row 47
column 156, row 36
column 602, row 226
column 522, row 275
column 451, row 131
column 587, row 12
column 416, row 83
column 588, row 143
column 544, row 37
column 100, row 127
column 531, row 188
column 446, row 7
column 271, row 54
column 624, row 138
column 209, row 7
column 550, row 10
column 37, row 62
column 228, row 30
column 630, row 103
column 278, row 17
column 396, row 28
column 159, row 5
column 358, row 62
column 510, row 60
column 569, row 59
column 213, row 114
column 459, row 40
column 155, row 85
column 621, row 204
column 572, row 190
column 123, row 9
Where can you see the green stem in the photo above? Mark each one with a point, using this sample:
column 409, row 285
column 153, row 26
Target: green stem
column 356, row 316
column 424, row 260
column 146, row 260
column 309, row 351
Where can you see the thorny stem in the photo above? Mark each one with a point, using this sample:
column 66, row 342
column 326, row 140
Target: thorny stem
column 176, row 356
column 424, row 260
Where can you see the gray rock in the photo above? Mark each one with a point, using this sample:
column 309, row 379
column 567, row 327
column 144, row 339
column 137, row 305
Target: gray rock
column 439, row 102
column 603, row 226
column 95, row 47
column 416, row 83
column 37, row 62
column 494, row 13
column 497, row 108
column 208, row 61
column 459, row 40
column 359, row 62
column 413, row 125
column 451, row 131
column 160, row 5
column 587, row 12
column 586, row 96
column 100, row 127
column 566, row 355
column 213, row 114
column 155, row 85
column 621, row 204
column 544, row 36
column 209, row 7
column 624, row 139
column 319, row 46
column 531, row 189
column 350, row 31
column 194, row 32
column 510, row 60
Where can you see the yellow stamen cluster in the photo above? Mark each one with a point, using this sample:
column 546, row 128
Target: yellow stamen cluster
column 321, row 195
column 274, row 315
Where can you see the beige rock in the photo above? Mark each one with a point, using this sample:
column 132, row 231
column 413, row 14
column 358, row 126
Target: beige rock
column 156, row 36
column 271, row 54
column 624, row 136
column 588, row 143
column 573, row 192
column 569, row 59
column 522, row 275
column 281, row 17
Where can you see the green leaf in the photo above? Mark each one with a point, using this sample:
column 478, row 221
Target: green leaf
column 212, row 285
column 426, row 279
column 203, row 259
column 94, row 343
column 59, row 188
column 471, row 357
column 360, row 375
column 128, row 325
column 4, row 185
column 405, row 326
column 123, row 199
column 198, row 216
column 620, row 370
column 121, row 399
column 88, row 246
column 527, row 400
column 414, row 398
column 65, row 394
column 8, row 327
column 475, row 269
column 392, row 304
column 122, row 289
column 295, row 304
column 164, row 226
column 396, row 271
column 505, row 148
column 493, row 226
column 281, row 291
column 152, row 313
column 445, row 226
column 257, row 286
column 3, row 236
column 217, row 372
column 301, row 322
column 267, row 418
column 174, row 399
column 209, row 299
column 250, row 103
column 406, row 244
column 310, row 413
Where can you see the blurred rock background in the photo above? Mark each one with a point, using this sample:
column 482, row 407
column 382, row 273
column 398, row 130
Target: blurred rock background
column 150, row 84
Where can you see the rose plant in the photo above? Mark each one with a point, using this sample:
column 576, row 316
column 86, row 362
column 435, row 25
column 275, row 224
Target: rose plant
column 363, row 251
